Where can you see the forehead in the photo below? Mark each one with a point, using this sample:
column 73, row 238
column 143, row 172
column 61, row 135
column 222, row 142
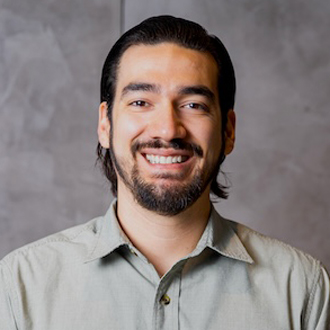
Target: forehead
column 167, row 64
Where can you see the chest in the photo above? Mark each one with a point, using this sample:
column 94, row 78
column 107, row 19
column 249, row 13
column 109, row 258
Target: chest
column 126, row 293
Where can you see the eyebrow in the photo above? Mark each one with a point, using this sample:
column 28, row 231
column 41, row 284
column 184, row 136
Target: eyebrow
column 198, row 90
column 145, row 87
column 186, row 90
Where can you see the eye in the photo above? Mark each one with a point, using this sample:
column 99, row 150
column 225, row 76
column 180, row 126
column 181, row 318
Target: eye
column 139, row 103
column 196, row 106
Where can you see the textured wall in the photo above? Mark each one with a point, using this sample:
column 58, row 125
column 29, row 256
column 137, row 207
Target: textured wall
column 50, row 60
column 51, row 55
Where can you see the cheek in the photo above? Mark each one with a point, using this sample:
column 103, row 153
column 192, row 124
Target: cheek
column 127, row 129
column 213, row 146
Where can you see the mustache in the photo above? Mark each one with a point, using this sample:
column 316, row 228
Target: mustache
column 176, row 144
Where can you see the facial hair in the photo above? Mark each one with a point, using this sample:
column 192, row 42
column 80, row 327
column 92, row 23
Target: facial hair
column 165, row 199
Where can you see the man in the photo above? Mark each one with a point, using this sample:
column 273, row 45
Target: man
column 162, row 258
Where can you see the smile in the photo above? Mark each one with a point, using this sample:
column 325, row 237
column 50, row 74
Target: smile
column 155, row 159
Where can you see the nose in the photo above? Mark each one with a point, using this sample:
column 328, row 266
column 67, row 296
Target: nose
column 167, row 124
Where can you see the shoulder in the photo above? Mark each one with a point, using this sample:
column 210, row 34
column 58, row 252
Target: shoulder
column 65, row 246
column 285, row 277
column 287, row 270
column 279, row 263
column 29, row 272
column 267, row 250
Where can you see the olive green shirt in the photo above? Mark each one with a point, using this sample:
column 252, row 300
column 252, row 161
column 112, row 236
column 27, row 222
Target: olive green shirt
column 92, row 277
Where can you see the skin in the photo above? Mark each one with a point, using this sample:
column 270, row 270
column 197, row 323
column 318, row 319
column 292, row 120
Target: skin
column 165, row 111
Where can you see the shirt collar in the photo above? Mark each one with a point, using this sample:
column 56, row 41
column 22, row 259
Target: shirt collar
column 109, row 236
column 219, row 236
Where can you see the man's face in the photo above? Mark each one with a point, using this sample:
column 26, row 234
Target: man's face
column 166, row 125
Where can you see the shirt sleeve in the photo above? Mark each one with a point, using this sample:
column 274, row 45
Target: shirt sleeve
column 318, row 310
column 7, row 321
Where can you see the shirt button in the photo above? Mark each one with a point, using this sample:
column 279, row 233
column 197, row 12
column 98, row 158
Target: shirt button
column 165, row 299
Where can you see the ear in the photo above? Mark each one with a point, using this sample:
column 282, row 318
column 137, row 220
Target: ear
column 103, row 128
column 230, row 132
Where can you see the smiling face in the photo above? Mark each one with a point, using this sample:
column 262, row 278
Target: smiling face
column 166, row 126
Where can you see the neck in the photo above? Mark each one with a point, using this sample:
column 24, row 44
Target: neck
column 163, row 240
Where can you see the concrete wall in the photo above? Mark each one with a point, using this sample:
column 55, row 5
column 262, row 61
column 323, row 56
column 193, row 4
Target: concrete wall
column 51, row 54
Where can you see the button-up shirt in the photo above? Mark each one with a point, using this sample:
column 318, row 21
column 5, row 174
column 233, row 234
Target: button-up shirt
column 92, row 277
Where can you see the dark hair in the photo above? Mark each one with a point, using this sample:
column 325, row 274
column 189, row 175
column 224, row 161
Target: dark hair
column 185, row 33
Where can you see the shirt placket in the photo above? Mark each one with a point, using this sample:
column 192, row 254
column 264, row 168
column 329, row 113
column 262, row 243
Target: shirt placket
column 166, row 303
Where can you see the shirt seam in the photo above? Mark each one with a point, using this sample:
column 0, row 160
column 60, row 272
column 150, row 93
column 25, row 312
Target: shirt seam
column 12, row 293
column 286, row 246
column 312, row 293
column 45, row 241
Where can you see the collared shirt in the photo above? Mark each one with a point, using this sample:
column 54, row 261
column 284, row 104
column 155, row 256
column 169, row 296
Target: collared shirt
column 92, row 277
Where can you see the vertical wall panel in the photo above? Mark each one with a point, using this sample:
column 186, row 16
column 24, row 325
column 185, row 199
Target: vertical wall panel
column 280, row 167
column 51, row 55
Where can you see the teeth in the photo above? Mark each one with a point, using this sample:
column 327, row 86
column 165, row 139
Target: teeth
column 154, row 159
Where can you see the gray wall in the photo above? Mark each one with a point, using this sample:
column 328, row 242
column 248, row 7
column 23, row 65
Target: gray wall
column 51, row 54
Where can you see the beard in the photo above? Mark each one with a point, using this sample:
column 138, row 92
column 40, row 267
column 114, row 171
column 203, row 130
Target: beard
column 164, row 198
